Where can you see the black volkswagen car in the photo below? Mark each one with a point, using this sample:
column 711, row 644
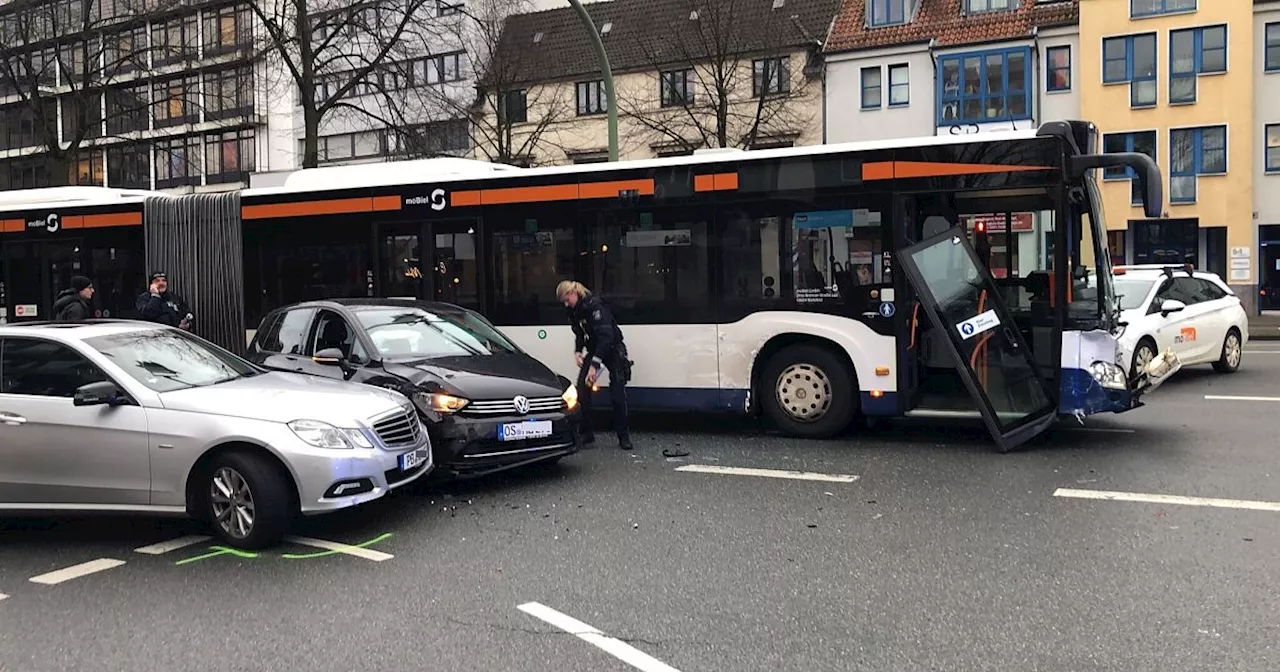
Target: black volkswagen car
column 488, row 405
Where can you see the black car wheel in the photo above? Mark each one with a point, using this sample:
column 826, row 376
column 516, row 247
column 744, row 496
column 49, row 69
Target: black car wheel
column 249, row 504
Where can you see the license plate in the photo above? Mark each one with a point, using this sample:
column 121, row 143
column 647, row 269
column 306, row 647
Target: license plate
column 519, row 431
column 415, row 459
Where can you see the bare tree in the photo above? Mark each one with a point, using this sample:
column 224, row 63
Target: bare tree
column 68, row 66
column 336, row 51
column 493, row 102
column 727, row 76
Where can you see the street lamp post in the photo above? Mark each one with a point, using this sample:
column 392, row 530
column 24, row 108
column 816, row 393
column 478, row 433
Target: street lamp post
column 607, row 74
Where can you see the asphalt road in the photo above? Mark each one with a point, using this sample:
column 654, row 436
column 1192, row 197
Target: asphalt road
column 941, row 555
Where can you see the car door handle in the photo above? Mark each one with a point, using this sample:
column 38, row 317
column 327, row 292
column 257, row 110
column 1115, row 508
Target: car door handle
column 12, row 420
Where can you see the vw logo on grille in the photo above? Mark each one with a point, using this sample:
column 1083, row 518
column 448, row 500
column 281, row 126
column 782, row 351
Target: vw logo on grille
column 521, row 403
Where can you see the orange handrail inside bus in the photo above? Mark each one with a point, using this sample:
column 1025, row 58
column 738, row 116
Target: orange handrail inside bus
column 915, row 322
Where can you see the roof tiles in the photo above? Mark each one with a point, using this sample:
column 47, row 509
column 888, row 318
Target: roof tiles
column 945, row 22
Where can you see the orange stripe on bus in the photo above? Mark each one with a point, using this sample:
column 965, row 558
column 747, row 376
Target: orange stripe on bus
column 715, row 182
column 11, row 225
column 73, row 222
column 307, row 208
column 611, row 189
column 112, row 219
column 464, row 199
column 704, row 182
column 553, row 192
column 887, row 170
column 384, row 203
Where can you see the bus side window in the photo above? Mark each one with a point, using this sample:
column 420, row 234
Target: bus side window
column 651, row 263
column 750, row 255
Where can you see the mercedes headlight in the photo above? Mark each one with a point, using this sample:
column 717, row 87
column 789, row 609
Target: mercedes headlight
column 439, row 403
column 1109, row 375
column 325, row 435
column 570, row 397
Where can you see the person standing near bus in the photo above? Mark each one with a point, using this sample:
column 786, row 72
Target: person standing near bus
column 158, row 304
column 72, row 304
column 597, row 342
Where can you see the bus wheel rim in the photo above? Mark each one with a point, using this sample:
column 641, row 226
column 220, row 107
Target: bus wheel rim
column 804, row 392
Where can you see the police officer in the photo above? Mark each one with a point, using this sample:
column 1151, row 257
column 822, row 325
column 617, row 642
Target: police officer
column 597, row 341
column 158, row 304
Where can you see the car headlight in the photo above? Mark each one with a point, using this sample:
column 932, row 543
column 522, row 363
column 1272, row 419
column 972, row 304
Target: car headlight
column 570, row 397
column 325, row 435
column 1109, row 375
column 439, row 403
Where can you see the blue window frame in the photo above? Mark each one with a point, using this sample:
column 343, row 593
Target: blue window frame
column 1273, row 47
column 899, row 85
column 1194, row 52
column 1273, row 148
column 1194, row 152
column 1131, row 59
column 872, row 88
column 979, row 6
column 887, row 12
column 1138, row 8
column 1057, row 64
column 1143, row 142
column 985, row 86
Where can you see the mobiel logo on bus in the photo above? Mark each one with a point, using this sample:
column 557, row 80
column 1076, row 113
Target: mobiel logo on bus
column 51, row 223
column 436, row 200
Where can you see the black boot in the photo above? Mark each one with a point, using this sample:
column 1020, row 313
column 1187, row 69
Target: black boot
column 624, row 442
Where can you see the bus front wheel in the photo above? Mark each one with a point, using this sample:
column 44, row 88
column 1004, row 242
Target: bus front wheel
column 808, row 391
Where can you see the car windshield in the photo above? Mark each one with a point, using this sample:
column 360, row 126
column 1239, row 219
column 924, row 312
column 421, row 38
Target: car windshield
column 167, row 359
column 415, row 333
column 1132, row 292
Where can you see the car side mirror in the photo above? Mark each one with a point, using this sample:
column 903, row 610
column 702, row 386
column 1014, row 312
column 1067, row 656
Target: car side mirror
column 329, row 357
column 1172, row 306
column 98, row 394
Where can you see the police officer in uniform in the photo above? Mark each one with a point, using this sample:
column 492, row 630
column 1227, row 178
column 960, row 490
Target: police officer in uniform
column 597, row 340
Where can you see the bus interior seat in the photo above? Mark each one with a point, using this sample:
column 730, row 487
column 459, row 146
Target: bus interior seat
column 934, row 225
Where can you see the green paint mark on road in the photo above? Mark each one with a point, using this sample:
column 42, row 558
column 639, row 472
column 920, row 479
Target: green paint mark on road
column 321, row 554
column 219, row 550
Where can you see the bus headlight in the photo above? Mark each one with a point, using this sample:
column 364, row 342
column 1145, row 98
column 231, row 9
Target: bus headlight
column 1109, row 375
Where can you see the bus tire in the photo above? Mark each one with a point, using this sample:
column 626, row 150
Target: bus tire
column 808, row 391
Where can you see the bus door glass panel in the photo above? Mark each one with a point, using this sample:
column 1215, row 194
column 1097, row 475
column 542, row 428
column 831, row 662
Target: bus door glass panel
column 116, row 267
column 531, row 249
column 36, row 273
column 400, row 260
column 456, row 272
column 315, row 261
column 961, row 299
column 837, row 259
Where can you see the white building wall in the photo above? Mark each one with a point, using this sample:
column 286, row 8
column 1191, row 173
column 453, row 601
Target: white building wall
column 1266, row 102
column 1057, row 105
column 847, row 121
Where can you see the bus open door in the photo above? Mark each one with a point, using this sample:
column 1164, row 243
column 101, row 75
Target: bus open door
column 960, row 297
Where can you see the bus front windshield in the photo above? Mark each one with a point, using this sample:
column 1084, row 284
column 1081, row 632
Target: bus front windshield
column 1093, row 301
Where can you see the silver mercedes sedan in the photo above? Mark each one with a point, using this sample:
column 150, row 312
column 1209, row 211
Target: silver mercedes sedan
column 135, row 417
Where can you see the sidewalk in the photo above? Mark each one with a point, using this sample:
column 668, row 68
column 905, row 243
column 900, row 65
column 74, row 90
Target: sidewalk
column 1264, row 327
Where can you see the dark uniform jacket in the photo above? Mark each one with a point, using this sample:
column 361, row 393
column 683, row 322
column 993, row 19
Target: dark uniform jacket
column 70, row 307
column 168, row 308
column 595, row 329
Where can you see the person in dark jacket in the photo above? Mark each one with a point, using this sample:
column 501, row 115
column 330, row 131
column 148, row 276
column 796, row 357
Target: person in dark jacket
column 158, row 304
column 597, row 341
column 72, row 304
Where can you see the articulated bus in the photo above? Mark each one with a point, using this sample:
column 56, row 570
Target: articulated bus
column 960, row 276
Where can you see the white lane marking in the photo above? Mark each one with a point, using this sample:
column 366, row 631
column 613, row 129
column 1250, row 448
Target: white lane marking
column 767, row 473
column 614, row 647
column 3, row 597
column 1102, row 430
column 76, row 571
column 172, row 545
column 367, row 554
column 1168, row 499
column 1222, row 397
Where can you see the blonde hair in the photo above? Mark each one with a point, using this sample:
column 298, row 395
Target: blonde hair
column 571, row 287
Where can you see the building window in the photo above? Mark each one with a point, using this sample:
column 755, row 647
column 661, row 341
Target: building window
column 1157, row 7
column 347, row 146
column 129, row 166
column 1195, row 152
column 87, row 171
column 591, row 98
column 514, row 106
column 449, row 7
column 1058, row 68
column 227, row 29
column 125, row 51
column 82, row 116
column 176, row 101
column 228, row 93
column 899, row 85
column 871, row 88
column 978, row 6
column 1132, row 60
column 177, row 162
column 1194, row 52
column 175, row 40
column 438, row 138
column 1273, row 47
column 127, row 109
column 985, row 87
column 888, row 12
column 1273, row 148
column 228, row 156
column 1142, row 142
column 770, row 76
column 676, row 87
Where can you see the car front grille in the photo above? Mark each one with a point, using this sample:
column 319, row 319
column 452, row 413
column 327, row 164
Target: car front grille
column 399, row 429
column 508, row 406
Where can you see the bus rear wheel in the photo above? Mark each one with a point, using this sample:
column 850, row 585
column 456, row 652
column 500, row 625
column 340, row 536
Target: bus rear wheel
column 808, row 392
